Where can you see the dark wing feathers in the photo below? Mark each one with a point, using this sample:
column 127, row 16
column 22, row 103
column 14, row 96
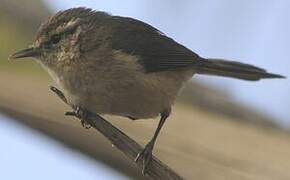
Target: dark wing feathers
column 156, row 51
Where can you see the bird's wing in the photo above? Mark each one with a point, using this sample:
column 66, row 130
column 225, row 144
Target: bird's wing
column 155, row 51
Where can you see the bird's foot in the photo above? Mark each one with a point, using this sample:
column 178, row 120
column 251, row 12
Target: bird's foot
column 146, row 155
column 81, row 114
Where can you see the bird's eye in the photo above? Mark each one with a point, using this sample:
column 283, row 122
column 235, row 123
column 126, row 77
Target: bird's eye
column 55, row 38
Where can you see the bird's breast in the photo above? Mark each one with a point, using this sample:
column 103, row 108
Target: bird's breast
column 118, row 86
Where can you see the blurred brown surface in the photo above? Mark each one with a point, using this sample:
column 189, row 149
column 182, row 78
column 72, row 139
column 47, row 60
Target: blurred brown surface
column 195, row 143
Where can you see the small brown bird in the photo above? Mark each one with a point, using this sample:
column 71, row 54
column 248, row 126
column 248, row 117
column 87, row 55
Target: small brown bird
column 121, row 66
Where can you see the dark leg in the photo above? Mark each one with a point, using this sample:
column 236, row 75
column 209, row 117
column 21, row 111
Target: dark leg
column 146, row 154
column 81, row 114
column 77, row 111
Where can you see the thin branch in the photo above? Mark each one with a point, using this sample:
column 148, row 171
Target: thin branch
column 156, row 169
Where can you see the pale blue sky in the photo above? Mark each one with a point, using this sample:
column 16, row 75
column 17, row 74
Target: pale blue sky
column 25, row 154
column 251, row 31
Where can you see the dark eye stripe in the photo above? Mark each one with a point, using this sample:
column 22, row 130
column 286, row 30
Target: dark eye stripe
column 55, row 38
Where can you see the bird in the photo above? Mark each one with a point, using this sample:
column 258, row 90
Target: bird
column 122, row 66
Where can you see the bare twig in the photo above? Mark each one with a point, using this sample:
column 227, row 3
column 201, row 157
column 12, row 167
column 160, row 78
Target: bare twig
column 156, row 169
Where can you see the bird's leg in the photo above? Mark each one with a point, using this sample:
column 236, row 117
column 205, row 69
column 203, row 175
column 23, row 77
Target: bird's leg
column 146, row 153
column 77, row 111
column 81, row 114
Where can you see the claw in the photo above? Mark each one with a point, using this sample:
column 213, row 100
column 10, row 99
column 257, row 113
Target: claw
column 85, row 124
column 146, row 155
column 81, row 114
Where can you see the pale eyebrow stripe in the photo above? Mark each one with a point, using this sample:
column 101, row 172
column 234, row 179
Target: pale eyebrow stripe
column 70, row 26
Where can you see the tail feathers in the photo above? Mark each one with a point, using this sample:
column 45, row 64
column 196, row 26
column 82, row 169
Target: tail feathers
column 233, row 69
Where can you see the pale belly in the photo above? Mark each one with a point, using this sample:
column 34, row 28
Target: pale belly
column 143, row 97
column 133, row 100
column 122, row 90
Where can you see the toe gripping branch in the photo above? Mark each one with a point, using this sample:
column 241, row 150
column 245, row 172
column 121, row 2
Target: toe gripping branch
column 155, row 170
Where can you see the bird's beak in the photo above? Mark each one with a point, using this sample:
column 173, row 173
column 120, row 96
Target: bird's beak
column 29, row 52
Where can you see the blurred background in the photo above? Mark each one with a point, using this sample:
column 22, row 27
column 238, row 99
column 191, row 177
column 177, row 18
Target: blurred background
column 220, row 128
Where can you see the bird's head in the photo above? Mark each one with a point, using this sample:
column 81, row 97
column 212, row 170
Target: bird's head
column 61, row 37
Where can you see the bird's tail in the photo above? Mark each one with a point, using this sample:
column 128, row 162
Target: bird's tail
column 219, row 67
